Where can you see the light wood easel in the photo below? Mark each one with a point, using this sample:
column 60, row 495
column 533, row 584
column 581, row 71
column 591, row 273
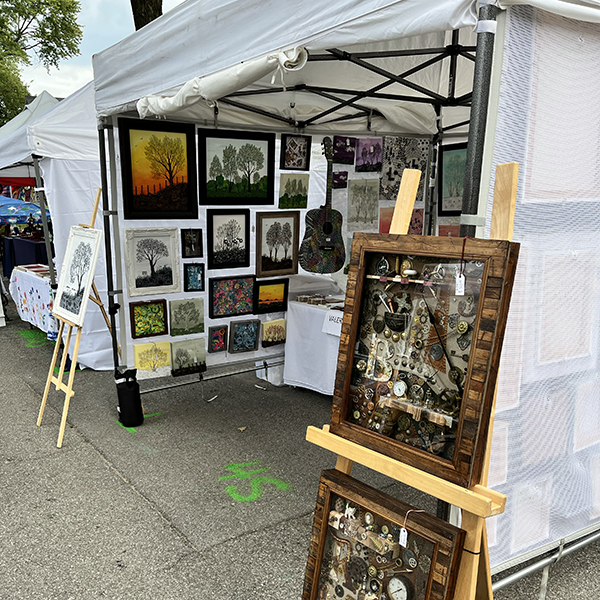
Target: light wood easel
column 478, row 502
column 58, row 380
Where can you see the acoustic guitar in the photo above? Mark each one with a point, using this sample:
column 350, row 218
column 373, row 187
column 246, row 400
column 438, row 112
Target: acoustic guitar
column 322, row 249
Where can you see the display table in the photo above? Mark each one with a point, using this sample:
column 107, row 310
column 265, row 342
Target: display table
column 30, row 289
column 22, row 251
column 310, row 354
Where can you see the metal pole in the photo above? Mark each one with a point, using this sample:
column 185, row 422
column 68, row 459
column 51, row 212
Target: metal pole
column 42, row 200
column 479, row 108
column 112, row 307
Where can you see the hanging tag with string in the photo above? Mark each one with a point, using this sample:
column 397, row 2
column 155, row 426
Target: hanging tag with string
column 403, row 531
column 460, row 278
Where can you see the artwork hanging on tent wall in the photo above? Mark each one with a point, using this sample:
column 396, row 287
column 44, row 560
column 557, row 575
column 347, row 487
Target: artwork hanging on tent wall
column 451, row 166
column 77, row 274
column 191, row 243
column 273, row 333
column 152, row 261
column 277, row 242
column 158, row 169
column 295, row 152
column 231, row 296
column 363, row 539
column 344, row 150
column 217, row 338
column 363, row 205
column 401, row 153
column 236, row 167
column 188, row 357
column 193, row 277
column 186, row 316
column 228, row 238
column 369, row 155
column 293, row 190
column 243, row 336
column 148, row 318
column 271, row 295
column 152, row 360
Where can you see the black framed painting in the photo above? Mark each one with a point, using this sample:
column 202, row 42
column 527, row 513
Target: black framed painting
column 451, row 179
column 191, row 243
column 295, row 152
column 236, row 167
column 218, row 338
column 231, row 296
column 193, row 277
column 270, row 295
column 158, row 167
column 243, row 336
column 277, row 243
column 228, row 239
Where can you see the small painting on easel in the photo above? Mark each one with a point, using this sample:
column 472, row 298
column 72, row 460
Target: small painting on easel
column 77, row 274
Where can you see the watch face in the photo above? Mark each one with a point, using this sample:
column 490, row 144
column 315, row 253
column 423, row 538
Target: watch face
column 400, row 588
column 399, row 388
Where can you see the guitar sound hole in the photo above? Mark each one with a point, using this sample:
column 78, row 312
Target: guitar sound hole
column 327, row 228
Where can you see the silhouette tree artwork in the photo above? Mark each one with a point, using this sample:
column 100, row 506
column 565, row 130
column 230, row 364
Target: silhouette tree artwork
column 152, row 358
column 230, row 164
column 152, row 250
column 182, row 357
column 229, row 245
column 250, row 160
column 81, row 264
column 216, row 168
column 273, row 239
column 166, row 156
column 186, row 316
column 286, row 238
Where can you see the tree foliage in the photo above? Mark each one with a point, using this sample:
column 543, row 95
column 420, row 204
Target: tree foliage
column 153, row 358
column 80, row 265
column 152, row 250
column 250, row 160
column 182, row 357
column 12, row 91
column 145, row 11
column 186, row 315
column 166, row 156
column 228, row 235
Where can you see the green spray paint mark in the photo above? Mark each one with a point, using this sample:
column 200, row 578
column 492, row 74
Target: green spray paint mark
column 256, row 483
column 34, row 338
column 133, row 429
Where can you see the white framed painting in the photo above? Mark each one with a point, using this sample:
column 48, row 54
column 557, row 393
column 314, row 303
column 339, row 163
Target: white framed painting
column 77, row 274
column 152, row 261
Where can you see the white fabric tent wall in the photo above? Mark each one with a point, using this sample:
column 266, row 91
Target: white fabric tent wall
column 66, row 139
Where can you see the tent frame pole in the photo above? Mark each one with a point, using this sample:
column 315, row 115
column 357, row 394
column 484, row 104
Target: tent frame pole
column 112, row 306
column 41, row 195
column 479, row 110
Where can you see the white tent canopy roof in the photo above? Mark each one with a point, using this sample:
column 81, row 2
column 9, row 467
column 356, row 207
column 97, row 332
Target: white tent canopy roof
column 41, row 104
column 66, row 131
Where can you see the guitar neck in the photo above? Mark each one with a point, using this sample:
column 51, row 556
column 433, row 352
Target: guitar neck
column 329, row 187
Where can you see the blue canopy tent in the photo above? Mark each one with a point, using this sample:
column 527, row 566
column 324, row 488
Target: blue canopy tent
column 16, row 212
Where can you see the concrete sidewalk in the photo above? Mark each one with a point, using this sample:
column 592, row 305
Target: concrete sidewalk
column 165, row 510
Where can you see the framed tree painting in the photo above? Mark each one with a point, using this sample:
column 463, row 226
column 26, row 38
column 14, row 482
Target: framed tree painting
column 236, row 167
column 277, row 242
column 77, row 274
column 186, row 316
column 148, row 318
column 158, row 166
column 152, row 360
column 243, row 336
column 193, row 277
column 191, row 243
column 217, row 338
column 231, row 296
column 270, row 296
column 188, row 357
column 451, row 179
column 293, row 190
column 152, row 261
column 228, row 238
column 369, row 155
column 273, row 333
column 295, row 152
column 365, row 539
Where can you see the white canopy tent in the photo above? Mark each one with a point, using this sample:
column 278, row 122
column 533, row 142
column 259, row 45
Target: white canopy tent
column 64, row 141
column 395, row 67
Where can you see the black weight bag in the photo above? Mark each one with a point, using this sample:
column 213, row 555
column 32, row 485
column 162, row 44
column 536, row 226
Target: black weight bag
column 130, row 409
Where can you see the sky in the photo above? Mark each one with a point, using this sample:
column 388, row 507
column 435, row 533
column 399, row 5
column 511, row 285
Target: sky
column 104, row 23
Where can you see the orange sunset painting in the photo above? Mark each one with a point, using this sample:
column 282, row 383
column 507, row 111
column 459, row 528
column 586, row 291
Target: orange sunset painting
column 271, row 296
column 156, row 176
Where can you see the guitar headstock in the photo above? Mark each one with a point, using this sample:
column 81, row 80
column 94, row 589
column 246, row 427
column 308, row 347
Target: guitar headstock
column 327, row 146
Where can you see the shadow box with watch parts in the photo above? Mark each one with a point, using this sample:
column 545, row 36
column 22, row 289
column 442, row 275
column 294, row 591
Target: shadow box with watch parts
column 366, row 545
column 421, row 337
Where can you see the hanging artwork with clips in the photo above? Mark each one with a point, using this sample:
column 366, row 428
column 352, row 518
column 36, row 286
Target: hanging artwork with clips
column 366, row 544
column 420, row 349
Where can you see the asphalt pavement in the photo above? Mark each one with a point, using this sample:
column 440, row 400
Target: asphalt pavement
column 206, row 499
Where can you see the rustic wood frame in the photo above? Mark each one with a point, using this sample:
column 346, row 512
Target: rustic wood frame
column 260, row 218
column 447, row 540
column 500, row 258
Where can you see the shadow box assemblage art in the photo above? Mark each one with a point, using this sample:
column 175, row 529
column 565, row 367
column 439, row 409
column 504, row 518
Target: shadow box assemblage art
column 420, row 348
column 368, row 545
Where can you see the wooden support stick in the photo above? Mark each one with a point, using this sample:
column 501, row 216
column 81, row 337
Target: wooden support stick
column 96, row 298
column 69, row 391
column 405, row 201
column 50, row 373
column 63, row 362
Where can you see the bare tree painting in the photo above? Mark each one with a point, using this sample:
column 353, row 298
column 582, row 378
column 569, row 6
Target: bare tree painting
column 188, row 356
column 152, row 360
column 276, row 241
column 363, row 205
column 72, row 295
column 151, row 250
column 369, row 154
column 187, row 316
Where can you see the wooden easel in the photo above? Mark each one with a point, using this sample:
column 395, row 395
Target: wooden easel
column 478, row 502
column 58, row 380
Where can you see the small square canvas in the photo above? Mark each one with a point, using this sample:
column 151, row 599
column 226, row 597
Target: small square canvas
column 273, row 333
column 148, row 318
column 152, row 360
column 188, row 357
column 243, row 336
column 271, row 296
column 186, row 316
column 217, row 338
column 293, row 190
column 295, row 152
column 344, row 149
column 193, row 277
column 191, row 243
column 369, row 155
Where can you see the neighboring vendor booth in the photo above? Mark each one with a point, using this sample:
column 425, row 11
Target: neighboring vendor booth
column 363, row 73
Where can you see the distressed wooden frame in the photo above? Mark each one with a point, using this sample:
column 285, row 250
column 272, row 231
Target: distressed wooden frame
column 499, row 258
column 446, row 539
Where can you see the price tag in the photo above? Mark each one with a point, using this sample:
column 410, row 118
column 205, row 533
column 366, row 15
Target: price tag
column 403, row 537
column 460, row 285
column 333, row 323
